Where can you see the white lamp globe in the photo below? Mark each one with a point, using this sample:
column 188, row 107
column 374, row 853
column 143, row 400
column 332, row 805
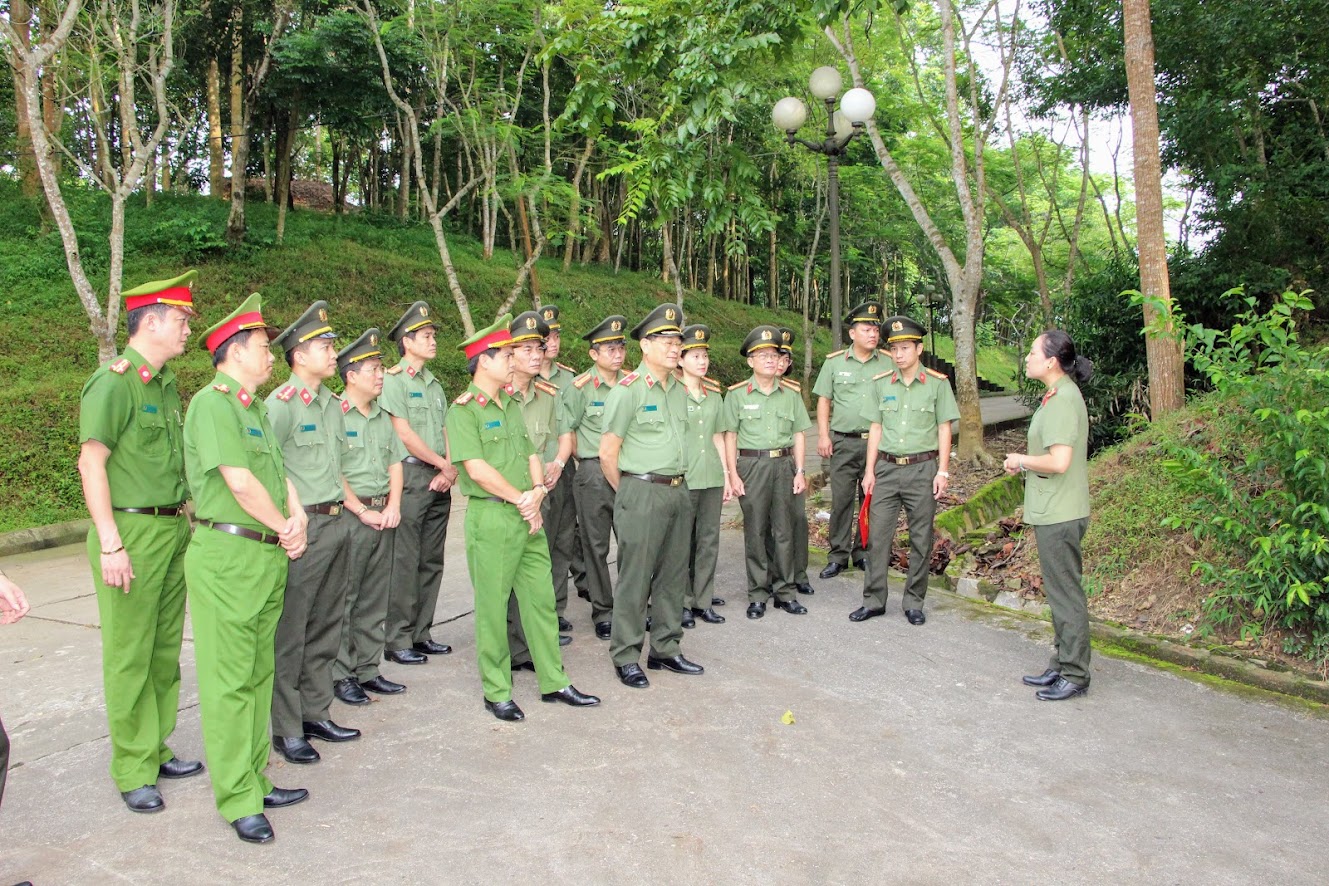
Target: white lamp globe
column 858, row 105
column 825, row 82
column 789, row 114
column 843, row 128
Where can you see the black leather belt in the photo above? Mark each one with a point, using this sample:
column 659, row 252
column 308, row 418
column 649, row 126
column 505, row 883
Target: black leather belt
column 589, row 458
column 766, row 453
column 172, row 511
column 909, row 459
column 419, row 462
column 660, row 479
column 232, row 529
column 852, row 435
column 330, row 508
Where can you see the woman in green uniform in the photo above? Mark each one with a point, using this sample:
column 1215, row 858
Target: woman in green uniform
column 708, row 482
column 1056, row 504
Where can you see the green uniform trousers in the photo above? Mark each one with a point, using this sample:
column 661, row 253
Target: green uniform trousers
column 848, row 459
column 800, row 534
column 309, row 631
column 768, row 487
column 908, row 487
column 1059, row 560
column 417, row 559
column 141, row 636
column 235, row 599
column 595, row 520
column 560, row 517
column 705, row 544
column 369, row 576
column 504, row 559
column 653, row 523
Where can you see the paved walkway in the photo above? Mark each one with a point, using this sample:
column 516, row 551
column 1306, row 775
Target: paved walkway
column 915, row 756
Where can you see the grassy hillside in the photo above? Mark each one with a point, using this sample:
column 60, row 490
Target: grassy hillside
column 370, row 269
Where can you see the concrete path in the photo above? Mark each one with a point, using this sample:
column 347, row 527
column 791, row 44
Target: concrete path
column 915, row 756
column 1003, row 409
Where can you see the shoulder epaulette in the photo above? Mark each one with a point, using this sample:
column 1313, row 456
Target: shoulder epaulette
column 542, row 385
column 836, row 353
column 567, row 367
column 225, row 389
column 791, row 385
column 935, row 374
column 736, row 385
column 882, row 374
column 286, row 393
column 463, row 399
column 628, row 379
column 345, row 406
column 712, row 385
column 581, row 380
column 120, row 366
column 394, row 370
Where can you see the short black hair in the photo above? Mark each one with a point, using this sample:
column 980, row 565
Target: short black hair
column 136, row 317
column 473, row 364
column 224, row 349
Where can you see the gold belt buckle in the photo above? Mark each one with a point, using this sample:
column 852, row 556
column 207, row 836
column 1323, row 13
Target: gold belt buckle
column 335, row 510
column 676, row 480
column 776, row 453
column 902, row 459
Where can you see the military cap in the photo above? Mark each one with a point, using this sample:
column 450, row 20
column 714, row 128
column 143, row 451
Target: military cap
column 496, row 335
column 666, row 319
column 609, row 330
column 901, row 328
column 786, row 340
column 868, row 312
column 549, row 314
column 528, row 325
column 175, row 292
column 696, row 336
column 363, row 348
column 312, row 324
column 417, row 316
column 763, row 336
column 244, row 318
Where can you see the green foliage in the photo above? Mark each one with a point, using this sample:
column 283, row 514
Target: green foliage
column 1269, row 506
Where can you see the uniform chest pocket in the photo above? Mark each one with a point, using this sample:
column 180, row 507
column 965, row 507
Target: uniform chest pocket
column 890, row 405
column 354, row 440
column 256, row 440
column 846, row 382
column 595, row 409
column 785, row 426
column 307, row 434
column 929, row 408
column 650, row 416
column 150, row 424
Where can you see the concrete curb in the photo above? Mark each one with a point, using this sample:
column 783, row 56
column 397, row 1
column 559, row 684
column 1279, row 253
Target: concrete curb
column 39, row 538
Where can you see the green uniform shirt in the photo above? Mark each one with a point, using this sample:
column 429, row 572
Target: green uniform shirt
column 491, row 430
column 537, row 410
column 652, row 418
column 582, row 409
column 417, row 397
column 909, row 414
column 308, row 427
column 225, row 426
column 135, row 411
column 561, row 376
column 762, row 420
column 369, row 447
column 1061, row 419
column 847, row 383
column 705, row 470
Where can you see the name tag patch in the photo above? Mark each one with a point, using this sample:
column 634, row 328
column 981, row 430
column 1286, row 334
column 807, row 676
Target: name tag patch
column 352, row 433
column 490, row 425
column 150, row 408
column 419, row 394
column 597, row 402
column 651, row 408
column 753, row 406
column 255, row 432
column 308, row 427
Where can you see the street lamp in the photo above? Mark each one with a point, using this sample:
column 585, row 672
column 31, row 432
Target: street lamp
column 929, row 293
column 856, row 107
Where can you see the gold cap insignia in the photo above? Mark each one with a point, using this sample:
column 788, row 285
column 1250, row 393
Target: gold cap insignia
column 424, row 311
column 549, row 315
column 670, row 313
column 616, row 326
column 530, row 322
column 872, row 309
column 373, row 339
column 897, row 326
column 698, row 335
column 322, row 315
column 765, row 335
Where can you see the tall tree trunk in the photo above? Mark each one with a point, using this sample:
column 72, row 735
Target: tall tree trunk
column 285, row 148
column 1162, row 344
column 20, row 13
column 235, row 224
column 216, row 160
column 337, row 193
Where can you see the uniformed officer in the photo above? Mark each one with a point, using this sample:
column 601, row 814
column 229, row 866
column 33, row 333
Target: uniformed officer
column 506, row 550
column 132, row 460
column 799, row 526
column 642, row 456
column 250, row 526
column 561, row 513
column 581, row 413
column 372, row 479
column 306, row 422
column 909, row 452
column 844, row 390
column 764, row 448
column 707, row 479
column 415, row 400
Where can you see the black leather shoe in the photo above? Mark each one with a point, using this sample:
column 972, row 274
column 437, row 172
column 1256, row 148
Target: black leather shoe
column 295, row 749
column 253, row 829
column 429, row 647
column 349, row 691
column 915, row 616
column 1047, row 678
column 717, row 601
column 756, row 610
column 524, row 666
column 144, row 799
column 564, row 624
column 603, row 629
column 383, row 686
column 326, row 730
column 405, row 656
column 861, row 564
column 863, row 613
column 710, row 616
column 832, row 570
column 805, row 588
column 564, row 640
column 688, row 620
column 569, row 695
column 278, row 798
column 177, row 768
column 793, row 607
column 1062, row 690
column 505, row 710
column 631, row 675
column 676, row 663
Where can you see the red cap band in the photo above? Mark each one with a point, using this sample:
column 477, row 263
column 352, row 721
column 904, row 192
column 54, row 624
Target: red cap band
column 252, row 320
column 176, row 296
column 496, row 339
